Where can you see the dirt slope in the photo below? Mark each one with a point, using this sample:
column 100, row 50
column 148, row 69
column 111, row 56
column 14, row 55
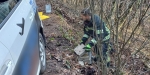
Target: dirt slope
column 60, row 57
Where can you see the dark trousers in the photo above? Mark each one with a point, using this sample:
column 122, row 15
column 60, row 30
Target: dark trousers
column 105, row 53
column 104, row 49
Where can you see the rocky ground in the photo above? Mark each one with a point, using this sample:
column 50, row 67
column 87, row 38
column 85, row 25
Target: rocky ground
column 61, row 60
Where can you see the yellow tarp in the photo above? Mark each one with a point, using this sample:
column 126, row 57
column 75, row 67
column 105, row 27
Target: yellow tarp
column 43, row 17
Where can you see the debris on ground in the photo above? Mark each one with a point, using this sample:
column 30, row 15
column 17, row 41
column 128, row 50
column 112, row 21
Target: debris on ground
column 43, row 17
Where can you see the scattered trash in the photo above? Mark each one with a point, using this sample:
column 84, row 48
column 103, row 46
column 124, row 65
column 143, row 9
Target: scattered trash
column 67, row 64
column 79, row 50
column 90, row 57
column 86, row 57
column 48, row 8
column 43, row 17
column 81, row 63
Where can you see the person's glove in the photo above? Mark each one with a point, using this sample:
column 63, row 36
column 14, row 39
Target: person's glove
column 82, row 43
column 87, row 48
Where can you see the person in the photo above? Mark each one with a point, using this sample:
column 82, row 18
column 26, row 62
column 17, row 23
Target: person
column 5, row 7
column 99, row 30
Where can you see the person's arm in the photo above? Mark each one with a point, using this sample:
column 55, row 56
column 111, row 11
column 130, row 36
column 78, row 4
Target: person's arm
column 98, row 33
column 99, row 25
column 90, row 45
column 108, row 34
column 85, row 37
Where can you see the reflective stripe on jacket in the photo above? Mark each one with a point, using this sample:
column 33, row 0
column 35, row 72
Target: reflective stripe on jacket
column 90, row 31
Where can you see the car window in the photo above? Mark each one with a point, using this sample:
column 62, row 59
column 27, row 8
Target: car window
column 5, row 7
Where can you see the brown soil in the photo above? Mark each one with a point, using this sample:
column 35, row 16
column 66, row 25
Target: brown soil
column 59, row 49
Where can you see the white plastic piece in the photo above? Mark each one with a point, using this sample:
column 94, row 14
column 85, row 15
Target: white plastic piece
column 79, row 49
column 81, row 63
column 48, row 8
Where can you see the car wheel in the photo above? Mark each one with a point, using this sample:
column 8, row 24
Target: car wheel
column 42, row 54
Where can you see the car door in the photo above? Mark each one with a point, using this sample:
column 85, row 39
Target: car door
column 21, row 38
column 6, row 62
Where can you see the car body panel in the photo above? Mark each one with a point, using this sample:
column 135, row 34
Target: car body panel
column 5, row 67
column 23, row 49
column 28, row 60
column 11, row 30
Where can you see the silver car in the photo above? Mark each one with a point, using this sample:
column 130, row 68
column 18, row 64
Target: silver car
column 22, row 42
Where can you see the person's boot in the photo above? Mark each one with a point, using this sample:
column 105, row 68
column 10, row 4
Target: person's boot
column 108, row 64
column 94, row 58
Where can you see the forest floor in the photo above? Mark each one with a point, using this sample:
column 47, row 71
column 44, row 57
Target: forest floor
column 63, row 31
